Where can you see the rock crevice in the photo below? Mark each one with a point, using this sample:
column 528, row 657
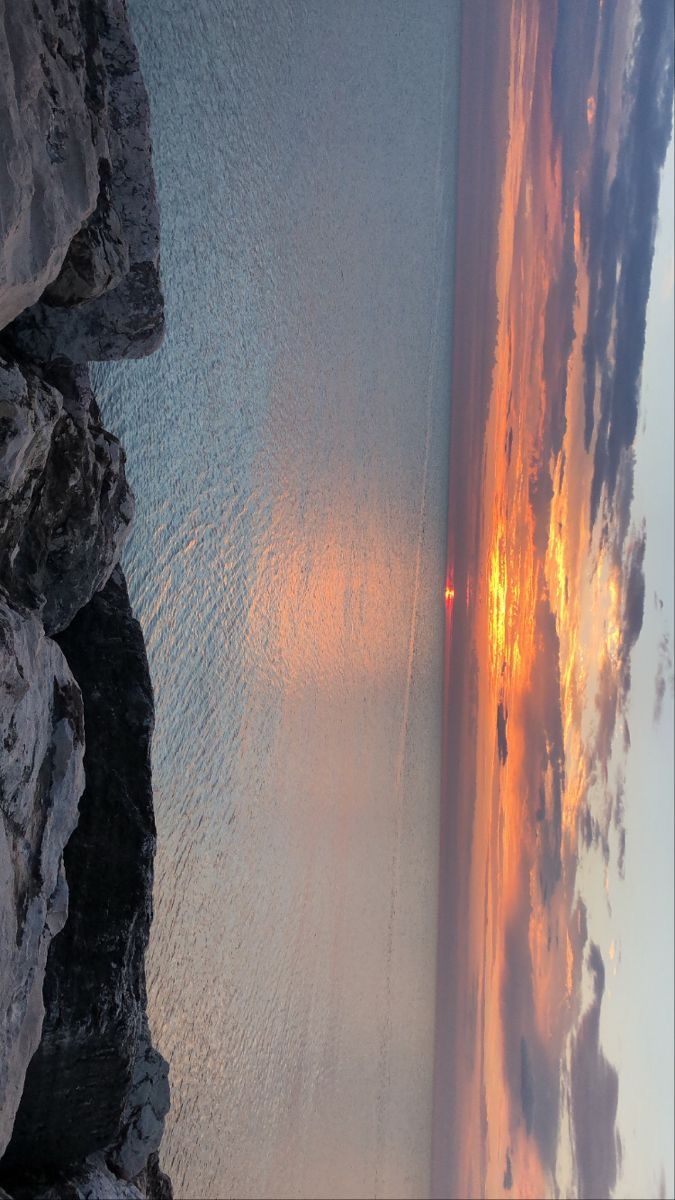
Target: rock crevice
column 83, row 1093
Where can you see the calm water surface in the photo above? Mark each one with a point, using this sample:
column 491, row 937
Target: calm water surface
column 288, row 447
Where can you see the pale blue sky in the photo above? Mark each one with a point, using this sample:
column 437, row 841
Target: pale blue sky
column 637, row 1013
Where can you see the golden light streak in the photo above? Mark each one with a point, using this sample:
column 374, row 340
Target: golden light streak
column 532, row 569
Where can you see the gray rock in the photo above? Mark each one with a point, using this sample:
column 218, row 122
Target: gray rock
column 146, row 1107
column 75, row 1099
column 65, row 506
column 106, row 302
column 49, row 173
column 41, row 780
column 92, row 1181
column 152, row 1182
column 98, row 256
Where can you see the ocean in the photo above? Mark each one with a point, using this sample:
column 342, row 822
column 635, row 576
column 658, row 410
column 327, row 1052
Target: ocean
column 288, row 448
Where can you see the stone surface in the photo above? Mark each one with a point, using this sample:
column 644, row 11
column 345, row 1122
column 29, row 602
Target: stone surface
column 49, row 173
column 41, row 780
column 65, row 507
column 107, row 302
column 146, row 1107
column 79, row 280
column 75, row 1097
column 98, row 256
column 153, row 1182
column 92, row 1181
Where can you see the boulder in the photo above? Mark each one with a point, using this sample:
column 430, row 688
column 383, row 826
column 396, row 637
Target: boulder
column 49, row 163
column 41, row 780
column 65, row 506
column 152, row 1182
column 93, row 1180
column 75, row 1100
column 146, row 1107
column 106, row 302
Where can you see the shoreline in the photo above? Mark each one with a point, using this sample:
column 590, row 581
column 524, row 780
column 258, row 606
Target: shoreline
column 83, row 1093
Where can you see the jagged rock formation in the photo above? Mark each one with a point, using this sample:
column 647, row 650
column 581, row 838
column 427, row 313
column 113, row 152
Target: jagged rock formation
column 49, row 174
column 79, row 123
column 65, row 507
column 95, row 1083
column 93, row 1180
column 146, row 1106
column 41, row 778
column 83, row 1094
column 90, row 1181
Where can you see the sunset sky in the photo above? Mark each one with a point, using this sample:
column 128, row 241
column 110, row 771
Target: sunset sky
column 556, row 937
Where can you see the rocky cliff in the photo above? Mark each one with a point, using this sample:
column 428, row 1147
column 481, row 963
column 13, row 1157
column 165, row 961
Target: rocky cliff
column 83, row 1093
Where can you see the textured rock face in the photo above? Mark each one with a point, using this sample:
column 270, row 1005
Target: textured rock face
column 153, row 1182
column 83, row 1094
column 49, row 174
column 106, row 302
column 146, row 1107
column 41, row 780
column 75, row 1096
column 65, row 507
column 98, row 256
column 92, row 1181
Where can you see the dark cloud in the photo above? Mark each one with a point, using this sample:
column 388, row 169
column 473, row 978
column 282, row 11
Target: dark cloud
column 540, row 488
column 571, row 74
column 507, row 1181
column 558, row 340
column 502, row 743
column 664, row 677
column 619, row 809
column 634, row 600
column 621, row 857
column 593, row 833
column 619, row 228
column 544, row 768
column 659, row 693
column 623, row 502
column 526, row 1086
column 532, row 1070
column 594, row 1088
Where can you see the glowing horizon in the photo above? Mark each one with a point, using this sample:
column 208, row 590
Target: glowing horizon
column 555, row 568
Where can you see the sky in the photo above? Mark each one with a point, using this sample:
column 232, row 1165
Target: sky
column 640, row 923
column 558, row 930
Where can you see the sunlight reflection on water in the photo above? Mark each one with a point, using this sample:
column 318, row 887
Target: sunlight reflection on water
column 288, row 448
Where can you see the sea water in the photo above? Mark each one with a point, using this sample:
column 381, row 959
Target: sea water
column 288, row 448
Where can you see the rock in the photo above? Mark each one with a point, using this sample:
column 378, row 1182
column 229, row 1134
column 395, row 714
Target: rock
column 79, row 280
column 41, row 780
column 65, row 506
column 92, row 1181
column 146, row 1107
column 107, row 302
column 75, row 1097
column 153, row 1182
column 49, row 173
column 98, row 256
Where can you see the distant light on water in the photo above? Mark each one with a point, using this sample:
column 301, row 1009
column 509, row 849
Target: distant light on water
column 288, row 447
